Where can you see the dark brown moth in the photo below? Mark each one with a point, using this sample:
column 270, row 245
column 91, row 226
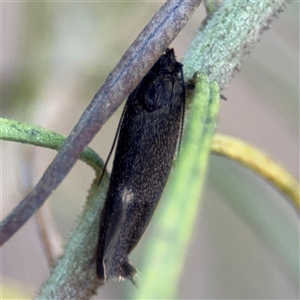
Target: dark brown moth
column 149, row 131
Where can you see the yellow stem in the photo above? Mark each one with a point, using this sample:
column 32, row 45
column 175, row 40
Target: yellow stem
column 260, row 163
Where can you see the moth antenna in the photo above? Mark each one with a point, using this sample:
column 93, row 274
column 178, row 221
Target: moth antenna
column 182, row 113
column 113, row 145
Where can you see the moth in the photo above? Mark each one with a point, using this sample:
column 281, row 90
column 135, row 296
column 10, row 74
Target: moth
column 149, row 130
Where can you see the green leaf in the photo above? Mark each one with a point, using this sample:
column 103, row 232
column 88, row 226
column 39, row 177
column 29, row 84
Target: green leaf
column 165, row 252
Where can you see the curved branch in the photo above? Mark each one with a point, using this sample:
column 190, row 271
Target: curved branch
column 14, row 131
column 260, row 163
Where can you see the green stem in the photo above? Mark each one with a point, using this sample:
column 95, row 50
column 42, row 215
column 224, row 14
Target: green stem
column 15, row 131
column 227, row 36
column 165, row 253
column 66, row 279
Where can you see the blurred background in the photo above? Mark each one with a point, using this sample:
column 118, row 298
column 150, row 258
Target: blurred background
column 56, row 55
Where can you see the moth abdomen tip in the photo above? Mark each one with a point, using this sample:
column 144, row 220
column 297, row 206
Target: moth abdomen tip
column 125, row 270
column 128, row 270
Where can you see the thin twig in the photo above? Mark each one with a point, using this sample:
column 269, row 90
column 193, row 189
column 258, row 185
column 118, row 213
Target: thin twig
column 135, row 63
column 260, row 163
column 51, row 240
